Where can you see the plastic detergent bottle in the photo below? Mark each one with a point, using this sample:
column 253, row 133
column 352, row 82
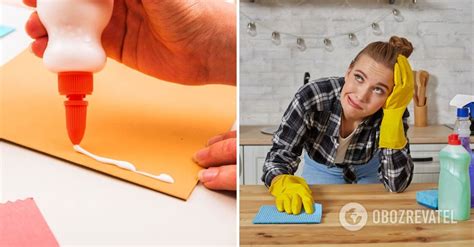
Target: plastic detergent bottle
column 467, row 102
column 453, row 187
column 471, row 167
column 462, row 128
column 75, row 52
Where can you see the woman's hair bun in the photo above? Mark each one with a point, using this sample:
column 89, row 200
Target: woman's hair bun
column 402, row 45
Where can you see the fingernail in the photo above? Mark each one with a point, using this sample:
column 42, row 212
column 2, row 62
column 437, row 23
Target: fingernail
column 30, row 48
column 207, row 175
column 201, row 154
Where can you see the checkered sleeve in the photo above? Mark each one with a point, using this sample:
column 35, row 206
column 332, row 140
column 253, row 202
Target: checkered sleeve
column 396, row 170
column 288, row 140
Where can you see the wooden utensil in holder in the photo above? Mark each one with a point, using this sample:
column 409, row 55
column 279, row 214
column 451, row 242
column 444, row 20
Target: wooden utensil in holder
column 420, row 106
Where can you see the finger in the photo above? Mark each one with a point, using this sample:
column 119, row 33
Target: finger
column 227, row 135
column 219, row 178
column 279, row 204
column 401, row 63
column 34, row 28
column 308, row 204
column 39, row 45
column 220, row 153
column 406, row 70
column 401, row 60
column 296, row 204
column 287, row 204
column 396, row 76
column 31, row 3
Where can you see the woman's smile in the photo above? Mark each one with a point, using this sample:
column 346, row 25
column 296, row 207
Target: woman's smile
column 353, row 103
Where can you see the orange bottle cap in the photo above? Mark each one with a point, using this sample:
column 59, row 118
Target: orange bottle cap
column 75, row 85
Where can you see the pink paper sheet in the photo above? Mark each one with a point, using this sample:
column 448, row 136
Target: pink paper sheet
column 21, row 224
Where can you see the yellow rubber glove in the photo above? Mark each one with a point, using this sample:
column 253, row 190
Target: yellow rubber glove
column 290, row 193
column 392, row 134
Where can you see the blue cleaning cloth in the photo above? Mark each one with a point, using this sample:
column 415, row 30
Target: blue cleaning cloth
column 4, row 30
column 270, row 215
column 428, row 198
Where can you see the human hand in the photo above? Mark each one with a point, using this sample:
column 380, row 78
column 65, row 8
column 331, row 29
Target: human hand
column 291, row 193
column 404, row 85
column 189, row 42
column 392, row 133
column 219, row 157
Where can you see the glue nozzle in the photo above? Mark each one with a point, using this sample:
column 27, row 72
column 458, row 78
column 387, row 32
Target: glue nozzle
column 75, row 85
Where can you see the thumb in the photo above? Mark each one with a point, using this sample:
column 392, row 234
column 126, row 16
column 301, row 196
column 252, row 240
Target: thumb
column 219, row 178
column 220, row 153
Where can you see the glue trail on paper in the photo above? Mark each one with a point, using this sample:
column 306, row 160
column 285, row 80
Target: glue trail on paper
column 124, row 165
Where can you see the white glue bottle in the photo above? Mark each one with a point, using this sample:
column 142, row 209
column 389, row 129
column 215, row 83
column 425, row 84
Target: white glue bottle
column 75, row 52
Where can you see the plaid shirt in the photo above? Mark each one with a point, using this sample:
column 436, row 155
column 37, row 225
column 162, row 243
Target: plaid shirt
column 312, row 122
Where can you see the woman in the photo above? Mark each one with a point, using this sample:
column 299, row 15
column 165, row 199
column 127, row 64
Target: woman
column 353, row 129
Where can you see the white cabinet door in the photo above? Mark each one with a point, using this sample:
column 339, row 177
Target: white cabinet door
column 253, row 160
column 426, row 161
column 241, row 165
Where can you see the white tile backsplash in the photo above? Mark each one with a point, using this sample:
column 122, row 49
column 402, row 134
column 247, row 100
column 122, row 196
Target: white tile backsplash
column 441, row 32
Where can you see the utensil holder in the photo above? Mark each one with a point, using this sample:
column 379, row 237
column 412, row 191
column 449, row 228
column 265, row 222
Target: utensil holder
column 421, row 115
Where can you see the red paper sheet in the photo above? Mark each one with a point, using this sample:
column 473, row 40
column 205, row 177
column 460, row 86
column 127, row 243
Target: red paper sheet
column 21, row 224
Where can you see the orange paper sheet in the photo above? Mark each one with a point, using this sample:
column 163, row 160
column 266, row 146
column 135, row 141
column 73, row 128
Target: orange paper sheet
column 153, row 124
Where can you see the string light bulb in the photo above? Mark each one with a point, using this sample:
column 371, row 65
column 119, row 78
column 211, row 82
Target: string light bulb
column 353, row 39
column 276, row 38
column 300, row 44
column 397, row 15
column 376, row 28
column 252, row 29
column 328, row 45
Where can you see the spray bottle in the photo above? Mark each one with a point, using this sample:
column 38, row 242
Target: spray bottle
column 463, row 127
column 75, row 52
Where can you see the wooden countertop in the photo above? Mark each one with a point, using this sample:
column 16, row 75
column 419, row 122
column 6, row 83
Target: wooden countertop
column 435, row 134
column 329, row 231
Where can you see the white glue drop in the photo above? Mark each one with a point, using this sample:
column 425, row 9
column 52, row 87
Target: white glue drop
column 163, row 176
column 124, row 164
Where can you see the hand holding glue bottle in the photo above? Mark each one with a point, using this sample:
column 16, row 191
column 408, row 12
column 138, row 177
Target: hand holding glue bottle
column 186, row 42
column 75, row 52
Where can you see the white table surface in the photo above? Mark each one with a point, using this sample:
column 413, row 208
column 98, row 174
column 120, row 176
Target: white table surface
column 83, row 207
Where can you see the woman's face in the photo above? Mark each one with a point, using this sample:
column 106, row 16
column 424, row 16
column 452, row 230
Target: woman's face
column 367, row 86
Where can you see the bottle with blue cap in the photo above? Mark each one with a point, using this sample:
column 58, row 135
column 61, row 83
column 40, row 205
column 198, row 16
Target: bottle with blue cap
column 461, row 127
